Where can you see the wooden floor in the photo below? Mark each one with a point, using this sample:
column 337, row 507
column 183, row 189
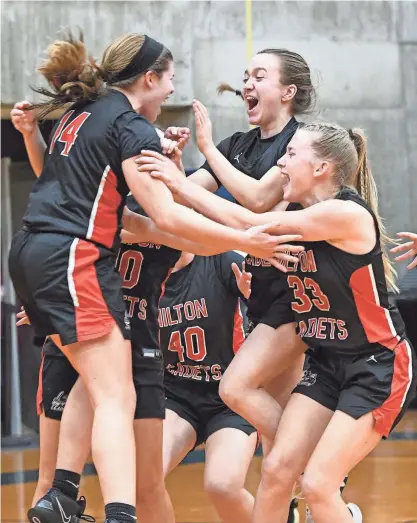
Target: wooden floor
column 384, row 485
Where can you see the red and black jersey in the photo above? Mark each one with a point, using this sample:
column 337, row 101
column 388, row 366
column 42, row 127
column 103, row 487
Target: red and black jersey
column 81, row 191
column 144, row 268
column 200, row 319
column 340, row 300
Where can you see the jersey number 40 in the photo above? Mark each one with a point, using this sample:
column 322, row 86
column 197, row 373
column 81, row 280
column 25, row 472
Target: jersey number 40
column 195, row 344
column 68, row 134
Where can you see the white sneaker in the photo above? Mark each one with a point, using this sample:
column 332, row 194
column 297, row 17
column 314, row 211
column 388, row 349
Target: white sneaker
column 356, row 512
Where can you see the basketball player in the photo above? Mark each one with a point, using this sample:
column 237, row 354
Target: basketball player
column 277, row 87
column 360, row 378
column 201, row 329
column 410, row 246
column 62, row 261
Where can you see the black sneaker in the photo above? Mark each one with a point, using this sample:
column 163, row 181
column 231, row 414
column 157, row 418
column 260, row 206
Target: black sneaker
column 294, row 516
column 56, row 507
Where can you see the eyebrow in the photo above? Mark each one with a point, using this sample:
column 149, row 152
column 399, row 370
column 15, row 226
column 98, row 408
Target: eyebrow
column 289, row 148
column 256, row 70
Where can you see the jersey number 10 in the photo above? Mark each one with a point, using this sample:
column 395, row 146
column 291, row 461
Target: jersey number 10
column 195, row 344
column 68, row 134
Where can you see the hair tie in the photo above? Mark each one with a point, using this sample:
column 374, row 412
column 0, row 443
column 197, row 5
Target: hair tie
column 351, row 135
column 141, row 62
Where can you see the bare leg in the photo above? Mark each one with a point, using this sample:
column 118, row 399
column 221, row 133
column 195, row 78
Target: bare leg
column 76, row 426
column 229, row 453
column 302, row 425
column 344, row 444
column 48, row 450
column 152, row 499
column 179, row 439
column 264, row 355
column 105, row 366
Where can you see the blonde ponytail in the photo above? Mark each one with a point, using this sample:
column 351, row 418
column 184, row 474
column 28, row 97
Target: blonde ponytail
column 366, row 187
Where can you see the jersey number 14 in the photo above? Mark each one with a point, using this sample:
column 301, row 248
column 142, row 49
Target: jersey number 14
column 68, row 134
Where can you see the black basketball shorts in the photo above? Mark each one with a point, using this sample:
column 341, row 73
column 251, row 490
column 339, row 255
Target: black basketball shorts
column 379, row 380
column 270, row 304
column 148, row 378
column 67, row 285
column 201, row 405
column 57, row 377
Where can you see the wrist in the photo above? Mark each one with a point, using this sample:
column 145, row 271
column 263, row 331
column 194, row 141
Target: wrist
column 209, row 150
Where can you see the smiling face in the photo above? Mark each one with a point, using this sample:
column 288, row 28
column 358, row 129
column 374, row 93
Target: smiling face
column 159, row 87
column 263, row 90
column 301, row 168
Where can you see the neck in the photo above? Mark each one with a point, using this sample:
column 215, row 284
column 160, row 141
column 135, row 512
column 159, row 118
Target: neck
column 319, row 194
column 276, row 126
column 136, row 100
column 186, row 259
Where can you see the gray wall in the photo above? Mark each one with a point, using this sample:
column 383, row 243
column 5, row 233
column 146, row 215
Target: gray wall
column 363, row 55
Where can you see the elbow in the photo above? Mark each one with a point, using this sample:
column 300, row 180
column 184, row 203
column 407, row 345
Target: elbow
column 166, row 221
column 259, row 206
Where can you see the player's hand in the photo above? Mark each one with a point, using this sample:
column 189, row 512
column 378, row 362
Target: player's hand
column 203, row 127
column 181, row 135
column 243, row 279
column 274, row 249
column 23, row 121
column 161, row 168
column 22, row 318
column 410, row 247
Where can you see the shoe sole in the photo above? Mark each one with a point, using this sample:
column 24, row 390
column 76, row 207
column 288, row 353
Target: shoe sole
column 42, row 515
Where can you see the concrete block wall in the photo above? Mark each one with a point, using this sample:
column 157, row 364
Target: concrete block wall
column 363, row 56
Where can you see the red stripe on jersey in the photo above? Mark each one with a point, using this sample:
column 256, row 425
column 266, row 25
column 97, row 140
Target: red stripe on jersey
column 103, row 224
column 39, row 392
column 92, row 316
column 376, row 320
column 238, row 330
column 163, row 284
column 388, row 412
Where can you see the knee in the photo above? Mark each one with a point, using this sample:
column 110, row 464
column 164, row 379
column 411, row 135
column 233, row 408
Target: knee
column 222, row 488
column 149, row 489
column 231, row 393
column 277, row 473
column 315, row 487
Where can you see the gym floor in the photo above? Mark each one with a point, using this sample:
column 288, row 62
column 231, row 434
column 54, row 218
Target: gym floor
column 383, row 485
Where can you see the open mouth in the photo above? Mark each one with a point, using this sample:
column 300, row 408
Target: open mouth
column 252, row 102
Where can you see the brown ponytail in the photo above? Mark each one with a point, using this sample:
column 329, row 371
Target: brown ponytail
column 346, row 150
column 222, row 88
column 72, row 75
column 366, row 186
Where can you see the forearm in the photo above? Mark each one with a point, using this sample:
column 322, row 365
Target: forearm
column 35, row 148
column 216, row 208
column 256, row 195
column 138, row 229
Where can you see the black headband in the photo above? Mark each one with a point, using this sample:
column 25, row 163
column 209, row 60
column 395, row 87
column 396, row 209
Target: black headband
column 141, row 62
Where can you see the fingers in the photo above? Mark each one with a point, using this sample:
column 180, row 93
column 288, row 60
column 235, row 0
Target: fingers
column 236, row 271
column 412, row 264
column 152, row 154
column 277, row 264
column 402, row 247
column 406, row 256
column 23, row 104
column 409, row 235
column 288, row 247
column 286, row 257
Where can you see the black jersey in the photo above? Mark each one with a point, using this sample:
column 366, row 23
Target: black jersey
column 340, row 300
column 253, row 155
column 81, row 191
column 144, row 268
column 200, row 319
